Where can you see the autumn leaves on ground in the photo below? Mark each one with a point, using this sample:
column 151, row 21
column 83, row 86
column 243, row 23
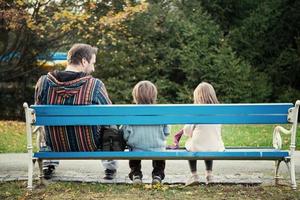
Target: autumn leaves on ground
column 14, row 132
column 17, row 190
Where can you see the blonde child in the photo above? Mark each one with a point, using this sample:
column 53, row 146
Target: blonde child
column 146, row 137
column 204, row 137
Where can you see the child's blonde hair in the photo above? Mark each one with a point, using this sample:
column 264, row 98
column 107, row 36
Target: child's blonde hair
column 205, row 94
column 144, row 92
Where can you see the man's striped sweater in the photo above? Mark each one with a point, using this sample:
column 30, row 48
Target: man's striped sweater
column 71, row 88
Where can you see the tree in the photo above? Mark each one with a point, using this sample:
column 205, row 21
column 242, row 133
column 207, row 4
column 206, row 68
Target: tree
column 176, row 49
column 31, row 30
column 269, row 40
column 229, row 14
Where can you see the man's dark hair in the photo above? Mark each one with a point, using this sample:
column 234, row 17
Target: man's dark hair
column 80, row 51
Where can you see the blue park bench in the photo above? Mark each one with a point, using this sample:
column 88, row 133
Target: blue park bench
column 60, row 115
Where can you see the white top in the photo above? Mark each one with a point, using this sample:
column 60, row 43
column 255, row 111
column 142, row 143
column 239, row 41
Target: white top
column 204, row 137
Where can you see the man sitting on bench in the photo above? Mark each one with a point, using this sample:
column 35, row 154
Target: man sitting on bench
column 74, row 86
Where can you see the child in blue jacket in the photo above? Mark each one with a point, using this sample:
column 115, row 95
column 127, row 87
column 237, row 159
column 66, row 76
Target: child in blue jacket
column 146, row 137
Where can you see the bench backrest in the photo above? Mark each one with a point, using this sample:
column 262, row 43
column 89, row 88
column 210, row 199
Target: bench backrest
column 57, row 115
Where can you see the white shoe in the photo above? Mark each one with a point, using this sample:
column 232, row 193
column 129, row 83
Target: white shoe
column 193, row 180
column 208, row 177
column 156, row 180
column 137, row 180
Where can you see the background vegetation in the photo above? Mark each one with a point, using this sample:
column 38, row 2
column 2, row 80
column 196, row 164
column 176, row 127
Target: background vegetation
column 233, row 136
column 249, row 50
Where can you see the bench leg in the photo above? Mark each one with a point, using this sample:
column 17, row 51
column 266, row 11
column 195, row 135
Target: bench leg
column 277, row 164
column 291, row 168
column 41, row 174
column 30, row 172
column 293, row 175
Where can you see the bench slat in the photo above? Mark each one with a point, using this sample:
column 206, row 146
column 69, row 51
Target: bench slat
column 242, row 154
column 152, row 120
column 161, row 109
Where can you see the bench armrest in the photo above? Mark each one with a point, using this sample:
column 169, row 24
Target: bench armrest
column 40, row 137
column 29, row 115
column 277, row 141
column 294, row 119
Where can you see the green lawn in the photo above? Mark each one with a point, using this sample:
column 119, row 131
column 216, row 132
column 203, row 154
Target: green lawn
column 13, row 137
column 245, row 135
column 16, row 190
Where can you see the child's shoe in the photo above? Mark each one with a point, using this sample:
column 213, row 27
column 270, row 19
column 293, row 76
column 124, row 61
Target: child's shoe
column 49, row 171
column 208, row 177
column 136, row 180
column 110, row 174
column 156, row 180
column 193, row 180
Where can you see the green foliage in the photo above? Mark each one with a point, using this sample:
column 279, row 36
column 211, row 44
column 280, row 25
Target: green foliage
column 33, row 29
column 269, row 40
column 230, row 13
column 176, row 49
column 28, row 30
column 249, row 50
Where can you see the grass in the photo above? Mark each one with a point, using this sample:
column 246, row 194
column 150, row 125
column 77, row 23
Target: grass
column 13, row 136
column 245, row 136
column 13, row 139
column 16, row 190
column 253, row 135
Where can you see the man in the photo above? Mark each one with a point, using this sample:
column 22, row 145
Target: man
column 74, row 86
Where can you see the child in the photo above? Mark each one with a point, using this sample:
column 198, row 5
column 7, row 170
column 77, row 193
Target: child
column 146, row 138
column 204, row 137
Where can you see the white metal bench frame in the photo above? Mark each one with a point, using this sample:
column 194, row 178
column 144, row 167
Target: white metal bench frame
column 289, row 160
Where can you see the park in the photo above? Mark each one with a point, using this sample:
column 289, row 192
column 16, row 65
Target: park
column 226, row 72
